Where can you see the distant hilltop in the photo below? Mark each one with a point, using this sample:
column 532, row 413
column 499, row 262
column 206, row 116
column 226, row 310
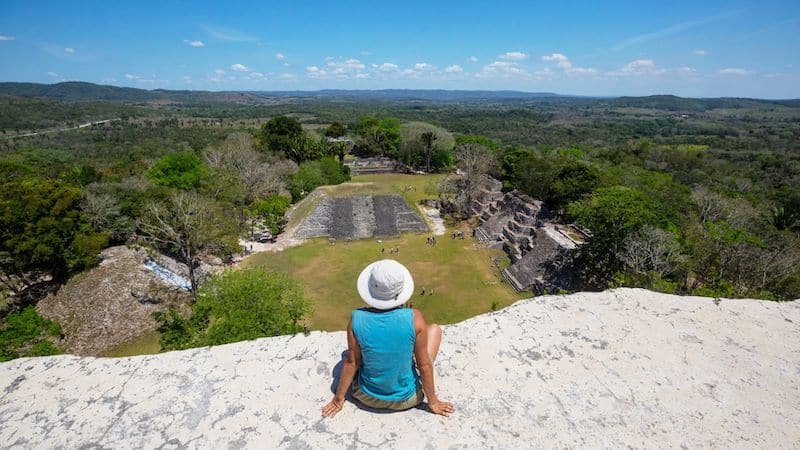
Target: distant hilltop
column 83, row 91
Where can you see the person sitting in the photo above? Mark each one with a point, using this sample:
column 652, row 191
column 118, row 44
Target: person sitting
column 390, row 354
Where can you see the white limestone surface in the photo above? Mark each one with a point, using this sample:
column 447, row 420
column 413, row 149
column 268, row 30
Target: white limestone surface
column 615, row 369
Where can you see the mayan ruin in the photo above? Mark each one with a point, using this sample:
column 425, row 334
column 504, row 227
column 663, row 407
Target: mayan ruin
column 538, row 246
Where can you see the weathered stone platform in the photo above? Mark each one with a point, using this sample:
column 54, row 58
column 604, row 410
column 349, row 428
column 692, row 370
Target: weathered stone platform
column 361, row 216
column 600, row 370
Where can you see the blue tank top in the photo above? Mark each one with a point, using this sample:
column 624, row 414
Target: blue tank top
column 387, row 349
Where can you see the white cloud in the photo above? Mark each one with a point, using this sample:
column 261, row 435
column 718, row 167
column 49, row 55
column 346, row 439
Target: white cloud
column 700, row 52
column 388, row 67
column 563, row 62
column 362, row 76
column 194, row 43
column 364, row 53
column 218, row 76
column 4, row 37
column 514, row 56
column 733, row 71
column 455, row 68
column 280, row 56
column 256, row 75
column 424, row 66
column 53, row 74
column 187, row 79
column 139, row 79
column 344, row 68
column 286, row 76
column 229, row 34
column 577, row 71
column 544, row 73
column 109, row 80
column 500, row 68
column 473, row 59
column 69, row 50
column 686, row 71
column 638, row 67
column 239, row 68
column 315, row 72
column 555, row 57
column 286, row 64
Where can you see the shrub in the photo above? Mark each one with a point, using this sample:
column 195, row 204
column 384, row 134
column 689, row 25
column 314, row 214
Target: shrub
column 237, row 305
column 26, row 333
column 312, row 174
column 182, row 170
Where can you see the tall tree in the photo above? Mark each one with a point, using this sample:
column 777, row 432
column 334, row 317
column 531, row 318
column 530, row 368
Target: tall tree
column 39, row 221
column 428, row 138
column 278, row 135
column 186, row 226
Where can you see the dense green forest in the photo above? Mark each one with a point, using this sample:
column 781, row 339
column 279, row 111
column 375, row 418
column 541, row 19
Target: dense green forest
column 692, row 196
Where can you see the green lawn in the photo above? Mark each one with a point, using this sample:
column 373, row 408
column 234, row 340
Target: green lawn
column 460, row 272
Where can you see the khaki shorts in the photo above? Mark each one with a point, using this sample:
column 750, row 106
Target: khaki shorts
column 399, row 405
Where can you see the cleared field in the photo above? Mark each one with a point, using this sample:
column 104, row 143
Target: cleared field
column 460, row 272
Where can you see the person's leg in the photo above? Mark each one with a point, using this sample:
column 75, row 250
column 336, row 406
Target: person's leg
column 434, row 339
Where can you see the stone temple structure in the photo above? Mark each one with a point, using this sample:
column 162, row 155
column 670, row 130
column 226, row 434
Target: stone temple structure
column 539, row 247
column 361, row 216
column 377, row 164
column 626, row 368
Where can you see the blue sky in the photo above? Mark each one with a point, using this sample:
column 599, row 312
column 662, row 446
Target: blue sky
column 688, row 48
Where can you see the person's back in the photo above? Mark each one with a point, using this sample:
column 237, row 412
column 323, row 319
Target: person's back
column 386, row 345
column 386, row 339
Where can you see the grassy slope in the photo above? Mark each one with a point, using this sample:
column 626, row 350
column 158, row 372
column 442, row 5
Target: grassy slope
column 459, row 271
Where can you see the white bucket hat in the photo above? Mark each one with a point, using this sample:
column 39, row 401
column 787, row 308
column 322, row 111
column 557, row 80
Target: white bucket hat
column 385, row 284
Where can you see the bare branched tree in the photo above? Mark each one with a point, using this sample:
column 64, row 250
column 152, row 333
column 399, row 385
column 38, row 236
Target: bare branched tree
column 185, row 226
column 651, row 250
column 101, row 209
column 258, row 178
column 474, row 161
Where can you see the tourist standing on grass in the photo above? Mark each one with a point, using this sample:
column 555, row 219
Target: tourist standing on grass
column 388, row 345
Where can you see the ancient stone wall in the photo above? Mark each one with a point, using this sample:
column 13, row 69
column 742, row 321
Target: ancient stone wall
column 537, row 245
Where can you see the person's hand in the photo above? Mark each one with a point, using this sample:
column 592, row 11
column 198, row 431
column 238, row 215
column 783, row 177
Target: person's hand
column 333, row 407
column 441, row 408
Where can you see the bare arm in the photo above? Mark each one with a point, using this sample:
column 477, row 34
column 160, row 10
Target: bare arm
column 351, row 363
column 425, row 367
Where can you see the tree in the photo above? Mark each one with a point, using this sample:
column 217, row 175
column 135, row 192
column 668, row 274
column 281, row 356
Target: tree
column 426, row 146
column 428, row 139
column 39, row 223
column 474, row 161
column 278, row 134
column 237, row 162
column 237, row 305
column 651, row 250
column 336, row 129
column 271, row 211
column 312, row 174
column 186, row 226
column 182, row 170
column 611, row 214
column 379, row 136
